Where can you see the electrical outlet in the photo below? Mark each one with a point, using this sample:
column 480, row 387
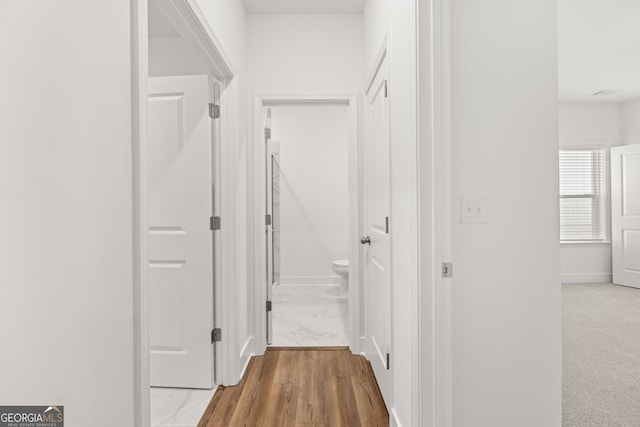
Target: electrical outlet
column 474, row 210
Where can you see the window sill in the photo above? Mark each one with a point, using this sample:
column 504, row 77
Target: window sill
column 586, row 243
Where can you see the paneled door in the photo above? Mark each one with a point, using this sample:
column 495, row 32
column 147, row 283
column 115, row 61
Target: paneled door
column 179, row 195
column 625, row 214
column 376, row 241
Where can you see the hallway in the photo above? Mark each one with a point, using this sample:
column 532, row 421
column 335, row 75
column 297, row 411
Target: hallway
column 325, row 386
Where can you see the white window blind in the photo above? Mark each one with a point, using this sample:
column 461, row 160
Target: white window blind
column 583, row 202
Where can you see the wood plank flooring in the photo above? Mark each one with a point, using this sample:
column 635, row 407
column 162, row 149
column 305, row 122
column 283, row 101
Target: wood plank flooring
column 301, row 387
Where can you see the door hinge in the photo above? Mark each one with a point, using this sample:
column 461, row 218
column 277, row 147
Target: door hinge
column 386, row 89
column 214, row 223
column 388, row 362
column 216, row 335
column 267, row 220
column 386, row 224
column 267, row 133
column 447, row 269
column 214, row 111
column 268, row 305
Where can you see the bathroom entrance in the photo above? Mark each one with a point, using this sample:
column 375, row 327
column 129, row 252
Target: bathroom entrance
column 307, row 224
column 309, row 183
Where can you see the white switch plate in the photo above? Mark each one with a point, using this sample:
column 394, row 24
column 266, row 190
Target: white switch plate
column 474, row 210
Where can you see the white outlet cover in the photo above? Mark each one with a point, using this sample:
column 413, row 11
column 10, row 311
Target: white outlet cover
column 474, row 210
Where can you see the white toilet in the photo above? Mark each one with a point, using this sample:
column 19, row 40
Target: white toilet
column 341, row 268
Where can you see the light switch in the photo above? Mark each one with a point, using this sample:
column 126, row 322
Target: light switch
column 474, row 210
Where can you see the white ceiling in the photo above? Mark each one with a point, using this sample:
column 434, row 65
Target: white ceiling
column 599, row 49
column 304, row 6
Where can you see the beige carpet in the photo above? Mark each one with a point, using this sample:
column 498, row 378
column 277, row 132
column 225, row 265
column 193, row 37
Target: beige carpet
column 601, row 356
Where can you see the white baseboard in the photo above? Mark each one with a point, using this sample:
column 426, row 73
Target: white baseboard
column 586, row 278
column 394, row 420
column 309, row 280
column 245, row 355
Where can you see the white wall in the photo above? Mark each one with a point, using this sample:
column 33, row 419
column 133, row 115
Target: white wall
column 394, row 20
column 228, row 22
column 506, row 283
column 171, row 56
column 631, row 122
column 313, row 190
column 66, row 183
column 588, row 124
column 307, row 53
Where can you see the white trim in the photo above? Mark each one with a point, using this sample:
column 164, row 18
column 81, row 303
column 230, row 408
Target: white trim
column 445, row 328
column 578, row 243
column 224, row 253
column 230, row 364
column 585, row 145
column 139, row 77
column 355, row 291
column 394, row 419
column 415, row 217
column 587, row 278
column 245, row 355
column 377, row 63
column 192, row 25
column 305, row 98
column 255, row 212
column 435, row 213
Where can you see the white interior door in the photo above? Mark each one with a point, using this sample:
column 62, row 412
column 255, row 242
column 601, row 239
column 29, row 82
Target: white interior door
column 268, row 144
column 179, row 241
column 376, row 242
column 625, row 214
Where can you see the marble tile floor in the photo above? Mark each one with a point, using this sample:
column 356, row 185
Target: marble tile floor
column 178, row 407
column 309, row 316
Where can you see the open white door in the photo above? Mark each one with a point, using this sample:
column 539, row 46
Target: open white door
column 268, row 218
column 377, row 269
column 625, row 214
column 179, row 240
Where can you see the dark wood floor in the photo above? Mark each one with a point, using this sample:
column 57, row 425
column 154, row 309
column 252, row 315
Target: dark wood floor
column 321, row 386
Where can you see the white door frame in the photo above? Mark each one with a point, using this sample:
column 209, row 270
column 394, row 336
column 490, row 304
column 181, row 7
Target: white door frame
column 262, row 101
column 189, row 21
column 435, row 213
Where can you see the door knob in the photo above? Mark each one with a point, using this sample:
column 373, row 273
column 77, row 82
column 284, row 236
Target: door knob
column 365, row 240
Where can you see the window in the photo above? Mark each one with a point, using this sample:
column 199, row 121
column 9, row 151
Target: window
column 583, row 201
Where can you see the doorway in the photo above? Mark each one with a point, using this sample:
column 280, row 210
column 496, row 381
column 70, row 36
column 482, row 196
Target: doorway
column 308, row 227
column 183, row 83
